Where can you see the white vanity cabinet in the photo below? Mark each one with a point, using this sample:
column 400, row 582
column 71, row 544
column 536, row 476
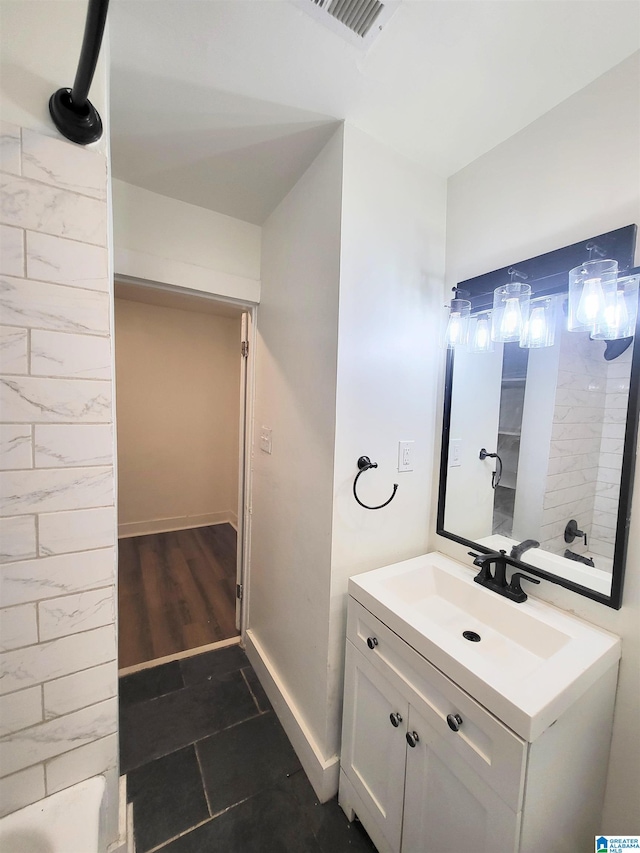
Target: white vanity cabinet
column 427, row 769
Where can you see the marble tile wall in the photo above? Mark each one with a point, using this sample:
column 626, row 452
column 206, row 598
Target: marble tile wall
column 576, row 437
column 58, row 671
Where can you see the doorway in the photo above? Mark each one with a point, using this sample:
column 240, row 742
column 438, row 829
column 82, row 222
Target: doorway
column 181, row 403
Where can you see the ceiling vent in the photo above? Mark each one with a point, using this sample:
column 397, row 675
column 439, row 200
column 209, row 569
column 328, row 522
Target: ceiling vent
column 359, row 22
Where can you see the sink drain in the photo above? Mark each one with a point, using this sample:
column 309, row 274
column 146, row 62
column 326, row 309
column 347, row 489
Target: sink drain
column 471, row 636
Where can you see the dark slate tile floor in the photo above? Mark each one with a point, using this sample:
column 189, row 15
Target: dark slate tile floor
column 210, row 769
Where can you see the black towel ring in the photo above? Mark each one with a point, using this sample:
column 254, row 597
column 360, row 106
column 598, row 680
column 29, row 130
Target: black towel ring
column 364, row 463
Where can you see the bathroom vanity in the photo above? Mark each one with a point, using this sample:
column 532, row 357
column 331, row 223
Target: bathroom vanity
column 472, row 723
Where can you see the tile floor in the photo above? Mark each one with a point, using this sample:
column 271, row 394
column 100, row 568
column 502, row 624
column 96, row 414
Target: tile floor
column 210, row 769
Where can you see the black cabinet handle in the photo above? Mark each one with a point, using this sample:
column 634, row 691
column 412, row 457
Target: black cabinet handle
column 372, row 642
column 396, row 719
column 412, row 738
column 454, row 721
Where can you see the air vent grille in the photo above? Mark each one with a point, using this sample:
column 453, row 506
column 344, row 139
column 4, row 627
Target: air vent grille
column 358, row 15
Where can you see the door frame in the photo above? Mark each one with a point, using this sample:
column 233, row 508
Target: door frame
column 246, row 415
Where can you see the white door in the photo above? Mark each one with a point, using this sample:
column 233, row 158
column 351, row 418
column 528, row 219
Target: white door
column 373, row 747
column 448, row 807
column 244, row 467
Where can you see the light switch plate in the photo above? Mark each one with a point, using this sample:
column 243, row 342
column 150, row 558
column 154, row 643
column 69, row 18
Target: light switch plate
column 455, row 449
column 265, row 439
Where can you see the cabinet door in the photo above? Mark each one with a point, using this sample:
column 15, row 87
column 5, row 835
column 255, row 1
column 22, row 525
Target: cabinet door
column 373, row 748
column 448, row 807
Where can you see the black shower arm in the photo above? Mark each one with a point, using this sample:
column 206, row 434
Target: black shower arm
column 71, row 110
column 364, row 463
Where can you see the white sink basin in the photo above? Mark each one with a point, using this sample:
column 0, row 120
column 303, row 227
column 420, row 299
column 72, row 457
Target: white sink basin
column 532, row 661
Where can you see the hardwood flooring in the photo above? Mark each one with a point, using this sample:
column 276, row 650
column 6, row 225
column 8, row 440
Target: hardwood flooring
column 177, row 591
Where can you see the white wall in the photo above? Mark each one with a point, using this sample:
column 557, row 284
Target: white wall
column 362, row 234
column 58, row 706
column 178, row 400
column 391, row 297
column 573, row 173
column 295, row 391
column 171, row 242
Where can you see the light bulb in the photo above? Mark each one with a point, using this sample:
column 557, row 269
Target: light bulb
column 591, row 306
column 617, row 317
column 511, row 324
column 453, row 334
column 536, row 332
column 482, row 335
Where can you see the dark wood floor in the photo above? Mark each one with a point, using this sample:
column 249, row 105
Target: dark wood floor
column 176, row 592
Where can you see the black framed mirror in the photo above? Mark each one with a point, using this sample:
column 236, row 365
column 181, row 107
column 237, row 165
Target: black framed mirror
column 539, row 444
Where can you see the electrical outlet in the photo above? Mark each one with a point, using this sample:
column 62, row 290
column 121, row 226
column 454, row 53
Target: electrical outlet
column 265, row 439
column 405, row 455
column 455, row 449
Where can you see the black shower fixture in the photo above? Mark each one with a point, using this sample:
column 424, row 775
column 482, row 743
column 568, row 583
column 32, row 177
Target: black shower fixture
column 71, row 110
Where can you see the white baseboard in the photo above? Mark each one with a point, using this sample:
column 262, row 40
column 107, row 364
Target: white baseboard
column 168, row 525
column 323, row 773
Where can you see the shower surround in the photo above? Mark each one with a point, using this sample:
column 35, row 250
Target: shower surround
column 58, row 676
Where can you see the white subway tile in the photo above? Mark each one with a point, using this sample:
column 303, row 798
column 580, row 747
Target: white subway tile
column 38, row 400
column 603, row 504
column 612, row 445
column 612, row 461
column 609, row 475
column 13, row 350
column 75, row 356
column 65, row 445
column 560, row 464
column 570, row 414
column 604, row 549
column 608, row 520
column 40, row 305
column 18, row 627
column 573, row 447
column 581, row 399
column 613, row 430
column 78, row 530
column 46, row 661
column 51, row 490
column 63, row 164
column 613, row 415
column 583, row 477
column 51, row 577
column 591, row 429
column 80, row 689
column 580, row 381
column 608, row 490
column 562, row 512
column 83, row 763
column 31, row 746
column 603, row 533
column 11, row 250
column 38, row 207
column 21, row 789
column 15, row 446
column 71, row 614
column 9, row 147
column 568, row 495
column 17, row 538
column 20, row 710
column 66, row 262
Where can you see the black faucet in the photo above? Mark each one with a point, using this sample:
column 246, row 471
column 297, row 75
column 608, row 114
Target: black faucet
column 498, row 580
column 518, row 550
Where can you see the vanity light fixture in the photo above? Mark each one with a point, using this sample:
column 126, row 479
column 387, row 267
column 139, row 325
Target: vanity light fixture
column 480, row 332
column 510, row 310
column 540, row 328
column 592, row 288
column 459, row 310
column 621, row 311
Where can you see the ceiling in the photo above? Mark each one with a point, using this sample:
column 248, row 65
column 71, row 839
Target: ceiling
column 225, row 103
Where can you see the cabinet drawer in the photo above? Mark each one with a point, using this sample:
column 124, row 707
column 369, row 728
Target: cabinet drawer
column 494, row 752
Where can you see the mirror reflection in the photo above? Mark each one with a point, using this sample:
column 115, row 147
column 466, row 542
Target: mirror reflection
column 540, row 427
column 551, row 423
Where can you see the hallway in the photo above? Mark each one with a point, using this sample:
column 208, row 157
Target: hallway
column 176, row 592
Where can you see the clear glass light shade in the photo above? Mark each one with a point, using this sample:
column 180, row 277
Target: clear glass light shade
column 480, row 333
column 540, row 328
column 456, row 331
column 592, row 288
column 620, row 312
column 510, row 311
